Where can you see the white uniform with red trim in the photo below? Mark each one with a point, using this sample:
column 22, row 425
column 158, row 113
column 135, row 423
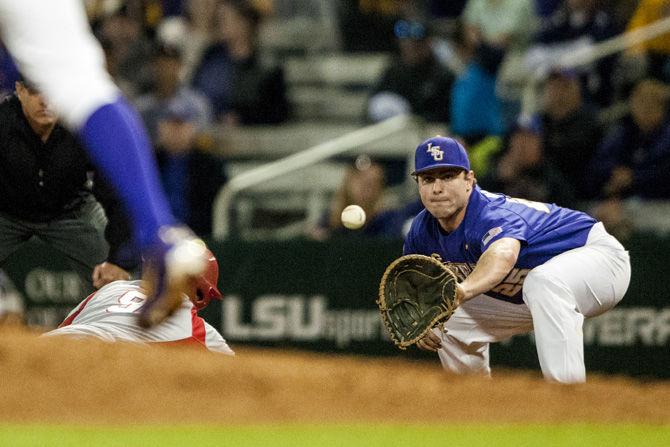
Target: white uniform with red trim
column 111, row 314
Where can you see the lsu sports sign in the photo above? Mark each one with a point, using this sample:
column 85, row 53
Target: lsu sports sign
column 321, row 296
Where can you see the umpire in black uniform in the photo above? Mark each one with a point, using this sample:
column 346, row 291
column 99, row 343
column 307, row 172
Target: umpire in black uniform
column 48, row 190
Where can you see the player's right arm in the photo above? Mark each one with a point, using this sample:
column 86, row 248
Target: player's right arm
column 493, row 266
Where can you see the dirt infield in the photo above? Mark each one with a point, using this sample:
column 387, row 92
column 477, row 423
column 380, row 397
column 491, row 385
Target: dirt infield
column 90, row 382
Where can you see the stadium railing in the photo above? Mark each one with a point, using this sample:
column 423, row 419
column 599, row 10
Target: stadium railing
column 403, row 129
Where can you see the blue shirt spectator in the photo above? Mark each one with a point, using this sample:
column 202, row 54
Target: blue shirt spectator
column 475, row 108
column 577, row 23
column 413, row 82
column 240, row 88
column 191, row 175
column 634, row 158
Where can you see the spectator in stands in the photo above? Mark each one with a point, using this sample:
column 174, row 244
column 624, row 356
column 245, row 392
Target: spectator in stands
column 574, row 25
column 523, row 170
column 634, row 157
column 240, row 88
column 45, row 192
column 475, row 110
column 655, row 51
column 364, row 184
column 190, row 32
column 127, row 50
column 368, row 25
column 191, row 174
column 632, row 162
column 499, row 31
column 166, row 87
column 496, row 27
column 571, row 129
column 414, row 82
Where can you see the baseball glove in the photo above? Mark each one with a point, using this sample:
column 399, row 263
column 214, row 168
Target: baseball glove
column 416, row 293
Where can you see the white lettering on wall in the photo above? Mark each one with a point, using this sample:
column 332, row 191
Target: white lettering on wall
column 299, row 318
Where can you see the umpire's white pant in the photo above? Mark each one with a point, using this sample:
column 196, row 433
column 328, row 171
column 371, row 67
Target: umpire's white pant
column 558, row 295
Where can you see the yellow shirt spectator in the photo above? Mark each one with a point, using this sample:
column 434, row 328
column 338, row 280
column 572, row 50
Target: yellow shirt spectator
column 648, row 12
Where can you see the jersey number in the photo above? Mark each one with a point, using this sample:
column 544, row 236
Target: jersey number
column 129, row 303
column 530, row 204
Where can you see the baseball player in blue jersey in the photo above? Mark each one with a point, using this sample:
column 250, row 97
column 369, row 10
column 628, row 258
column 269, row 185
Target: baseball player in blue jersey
column 523, row 266
column 54, row 48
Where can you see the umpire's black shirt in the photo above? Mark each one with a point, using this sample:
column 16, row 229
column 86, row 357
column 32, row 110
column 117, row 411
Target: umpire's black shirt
column 42, row 182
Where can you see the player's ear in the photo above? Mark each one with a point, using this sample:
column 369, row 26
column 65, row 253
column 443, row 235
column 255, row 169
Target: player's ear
column 470, row 178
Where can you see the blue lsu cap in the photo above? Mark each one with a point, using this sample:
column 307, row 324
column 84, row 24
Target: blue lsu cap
column 440, row 152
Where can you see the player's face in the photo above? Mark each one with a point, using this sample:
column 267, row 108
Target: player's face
column 35, row 107
column 445, row 193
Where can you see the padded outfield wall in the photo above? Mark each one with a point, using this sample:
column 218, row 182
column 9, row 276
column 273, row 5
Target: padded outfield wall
column 321, row 296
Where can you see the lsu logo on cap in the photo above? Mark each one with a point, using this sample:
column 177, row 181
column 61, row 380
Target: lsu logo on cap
column 440, row 152
column 435, row 152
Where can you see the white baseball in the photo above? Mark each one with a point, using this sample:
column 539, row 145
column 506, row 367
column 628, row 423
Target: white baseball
column 353, row 217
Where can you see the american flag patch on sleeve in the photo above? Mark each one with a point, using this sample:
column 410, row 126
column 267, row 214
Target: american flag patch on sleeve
column 493, row 232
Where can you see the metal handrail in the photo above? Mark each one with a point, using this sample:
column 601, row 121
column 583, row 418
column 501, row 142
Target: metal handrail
column 315, row 154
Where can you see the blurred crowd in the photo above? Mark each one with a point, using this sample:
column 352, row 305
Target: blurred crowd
column 599, row 134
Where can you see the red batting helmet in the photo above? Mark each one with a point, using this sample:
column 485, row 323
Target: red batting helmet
column 205, row 287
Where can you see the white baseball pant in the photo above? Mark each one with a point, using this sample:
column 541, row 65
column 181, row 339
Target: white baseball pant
column 558, row 295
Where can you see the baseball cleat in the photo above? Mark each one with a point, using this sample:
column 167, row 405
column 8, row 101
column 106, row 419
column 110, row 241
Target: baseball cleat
column 168, row 272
